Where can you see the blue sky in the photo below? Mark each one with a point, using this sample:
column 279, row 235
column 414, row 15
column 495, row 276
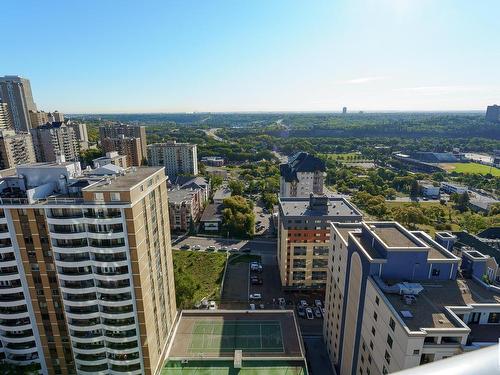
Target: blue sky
column 176, row 56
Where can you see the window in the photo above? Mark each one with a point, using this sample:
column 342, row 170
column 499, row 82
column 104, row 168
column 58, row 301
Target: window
column 392, row 324
column 373, row 331
column 371, row 344
column 416, row 352
column 387, row 357
column 99, row 197
column 115, row 196
column 319, row 275
column 299, row 275
column 375, row 316
column 299, row 250
column 435, row 272
column 299, row 263
column 320, row 263
column 369, row 358
column 377, row 300
column 389, row 341
column 363, row 346
column 494, row 317
column 384, row 371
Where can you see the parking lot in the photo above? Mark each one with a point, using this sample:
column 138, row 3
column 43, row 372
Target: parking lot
column 254, row 246
column 237, row 289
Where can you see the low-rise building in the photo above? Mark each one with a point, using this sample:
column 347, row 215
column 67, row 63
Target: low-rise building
column 221, row 194
column 450, row 188
column 394, row 300
column 217, row 171
column 429, row 190
column 304, row 237
column 111, row 157
column 213, row 161
column 211, row 220
column 186, row 202
column 481, row 203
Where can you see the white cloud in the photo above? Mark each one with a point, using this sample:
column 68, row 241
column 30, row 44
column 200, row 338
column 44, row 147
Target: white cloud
column 357, row 81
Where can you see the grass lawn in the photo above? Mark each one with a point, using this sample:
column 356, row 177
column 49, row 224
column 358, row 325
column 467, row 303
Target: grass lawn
column 471, row 168
column 244, row 258
column 203, row 269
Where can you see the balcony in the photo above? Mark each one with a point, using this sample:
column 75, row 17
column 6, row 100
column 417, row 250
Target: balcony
column 82, row 310
column 122, row 345
column 89, row 346
column 106, row 244
column 77, row 284
column 82, row 257
column 84, row 322
column 5, row 310
column 118, row 322
column 112, row 271
column 116, row 257
column 7, row 257
column 65, row 243
column 11, row 297
column 121, row 368
column 120, row 334
column 64, row 213
column 93, row 369
column 84, row 297
column 86, row 334
column 15, row 324
column 124, row 357
column 103, row 214
column 105, row 228
column 5, row 271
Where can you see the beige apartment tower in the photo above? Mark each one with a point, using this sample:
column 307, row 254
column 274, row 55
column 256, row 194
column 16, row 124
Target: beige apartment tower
column 86, row 269
column 15, row 149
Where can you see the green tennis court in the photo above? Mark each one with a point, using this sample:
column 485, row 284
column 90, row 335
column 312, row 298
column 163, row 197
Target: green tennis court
column 252, row 336
column 226, row 368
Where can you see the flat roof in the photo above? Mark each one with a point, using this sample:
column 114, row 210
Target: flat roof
column 218, row 333
column 212, row 212
column 179, row 195
column 428, row 311
column 127, row 181
column 301, row 207
column 393, row 236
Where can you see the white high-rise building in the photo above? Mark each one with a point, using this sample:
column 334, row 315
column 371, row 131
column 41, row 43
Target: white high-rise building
column 177, row 158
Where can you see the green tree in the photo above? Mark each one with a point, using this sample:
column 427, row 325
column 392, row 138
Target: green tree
column 185, row 288
column 236, row 187
column 473, row 223
column 238, row 218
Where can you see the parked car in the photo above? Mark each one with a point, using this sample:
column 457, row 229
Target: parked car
column 210, row 248
column 256, row 280
column 309, row 313
column 317, row 303
column 196, row 247
column 281, row 301
column 323, row 311
column 223, row 249
column 185, row 247
column 246, row 250
column 261, row 306
column 303, row 303
column 258, row 222
column 234, row 250
column 301, row 311
column 212, row 305
column 252, row 306
column 317, row 312
column 255, row 296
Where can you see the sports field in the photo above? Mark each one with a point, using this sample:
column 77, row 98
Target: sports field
column 227, row 368
column 216, row 336
column 470, row 168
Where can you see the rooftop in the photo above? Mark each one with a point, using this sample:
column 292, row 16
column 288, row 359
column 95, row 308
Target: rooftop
column 217, row 334
column 301, row 162
column 334, row 207
column 179, row 195
column 126, row 181
column 428, row 311
column 212, row 212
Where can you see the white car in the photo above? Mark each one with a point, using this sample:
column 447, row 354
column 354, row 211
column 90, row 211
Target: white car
column 303, row 303
column 212, row 305
column 255, row 296
column 317, row 303
column 309, row 313
column 196, row 247
column 210, row 248
column 252, row 306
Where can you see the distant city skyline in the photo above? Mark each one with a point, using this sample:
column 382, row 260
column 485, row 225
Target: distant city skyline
column 281, row 56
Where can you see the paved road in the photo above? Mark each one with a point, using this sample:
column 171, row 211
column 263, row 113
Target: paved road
column 317, row 356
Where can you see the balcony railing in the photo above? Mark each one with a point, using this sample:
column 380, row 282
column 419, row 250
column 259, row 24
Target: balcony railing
column 121, row 345
column 113, row 284
column 109, row 214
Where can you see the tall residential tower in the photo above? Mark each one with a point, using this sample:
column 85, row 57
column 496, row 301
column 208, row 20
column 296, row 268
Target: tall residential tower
column 16, row 92
column 86, row 278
